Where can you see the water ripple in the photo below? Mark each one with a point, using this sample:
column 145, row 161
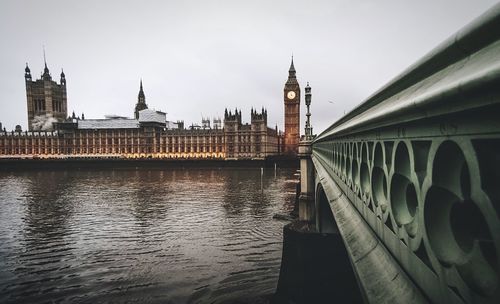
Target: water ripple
column 145, row 236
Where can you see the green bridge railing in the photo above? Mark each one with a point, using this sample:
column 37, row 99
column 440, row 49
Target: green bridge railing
column 420, row 162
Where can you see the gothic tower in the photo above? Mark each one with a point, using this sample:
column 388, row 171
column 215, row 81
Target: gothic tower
column 47, row 100
column 141, row 103
column 292, row 112
column 232, row 126
column 258, row 138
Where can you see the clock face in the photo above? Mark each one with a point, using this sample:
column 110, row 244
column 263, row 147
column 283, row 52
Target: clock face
column 290, row 95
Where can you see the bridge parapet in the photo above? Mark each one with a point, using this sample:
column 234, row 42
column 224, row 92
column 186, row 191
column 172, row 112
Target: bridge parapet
column 419, row 161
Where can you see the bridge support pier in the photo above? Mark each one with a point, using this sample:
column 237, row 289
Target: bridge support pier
column 306, row 198
column 315, row 266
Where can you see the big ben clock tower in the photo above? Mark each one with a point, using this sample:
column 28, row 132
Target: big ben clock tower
column 292, row 112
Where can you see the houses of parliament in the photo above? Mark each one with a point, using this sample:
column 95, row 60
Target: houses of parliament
column 52, row 133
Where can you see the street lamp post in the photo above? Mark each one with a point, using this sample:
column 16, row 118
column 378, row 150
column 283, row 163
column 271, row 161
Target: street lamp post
column 308, row 128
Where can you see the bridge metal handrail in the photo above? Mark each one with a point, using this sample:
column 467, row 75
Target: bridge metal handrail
column 420, row 161
column 423, row 83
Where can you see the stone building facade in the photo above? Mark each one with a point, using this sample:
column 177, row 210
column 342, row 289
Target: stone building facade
column 144, row 138
column 52, row 134
column 249, row 140
column 147, row 135
column 46, row 100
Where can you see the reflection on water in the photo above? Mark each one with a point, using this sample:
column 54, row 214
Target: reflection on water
column 166, row 236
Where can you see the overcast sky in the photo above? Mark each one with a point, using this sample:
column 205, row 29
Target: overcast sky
column 198, row 57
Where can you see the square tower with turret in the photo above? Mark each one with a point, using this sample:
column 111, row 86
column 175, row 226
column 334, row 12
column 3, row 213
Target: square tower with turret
column 46, row 99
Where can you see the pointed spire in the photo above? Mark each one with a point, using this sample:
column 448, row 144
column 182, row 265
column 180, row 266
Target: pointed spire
column 63, row 78
column 141, row 96
column 141, row 102
column 44, row 58
column 46, row 69
column 46, row 74
column 292, row 67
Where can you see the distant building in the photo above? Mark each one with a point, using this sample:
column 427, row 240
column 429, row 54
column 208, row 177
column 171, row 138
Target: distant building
column 217, row 124
column 47, row 100
column 249, row 140
column 292, row 112
column 205, row 123
column 148, row 135
column 52, row 134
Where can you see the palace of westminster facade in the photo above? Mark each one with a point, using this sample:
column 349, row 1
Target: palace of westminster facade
column 53, row 134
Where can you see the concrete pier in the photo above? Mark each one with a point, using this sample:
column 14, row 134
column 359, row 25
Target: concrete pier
column 315, row 268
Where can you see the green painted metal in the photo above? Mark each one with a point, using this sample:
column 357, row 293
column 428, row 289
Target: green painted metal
column 420, row 162
column 381, row 279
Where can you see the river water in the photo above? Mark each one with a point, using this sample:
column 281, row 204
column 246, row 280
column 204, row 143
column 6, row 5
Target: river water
column 141, row 236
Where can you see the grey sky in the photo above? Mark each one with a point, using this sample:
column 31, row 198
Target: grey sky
column 198, row 57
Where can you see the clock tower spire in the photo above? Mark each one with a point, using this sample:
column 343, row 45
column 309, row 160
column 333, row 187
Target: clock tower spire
column 292, row 112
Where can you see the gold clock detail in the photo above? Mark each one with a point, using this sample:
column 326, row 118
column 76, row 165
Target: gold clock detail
column 290, row 95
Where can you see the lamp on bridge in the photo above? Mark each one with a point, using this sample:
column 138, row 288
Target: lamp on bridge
column 308, row 128
column 306, row 198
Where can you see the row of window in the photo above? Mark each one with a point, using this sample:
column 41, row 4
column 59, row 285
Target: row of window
column 128, row 149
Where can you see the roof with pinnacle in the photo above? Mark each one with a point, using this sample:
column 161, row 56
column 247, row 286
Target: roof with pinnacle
column 292, row 79
column 46, row 73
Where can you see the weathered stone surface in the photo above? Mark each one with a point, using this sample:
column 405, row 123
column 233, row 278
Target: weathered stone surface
column 315, row 268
